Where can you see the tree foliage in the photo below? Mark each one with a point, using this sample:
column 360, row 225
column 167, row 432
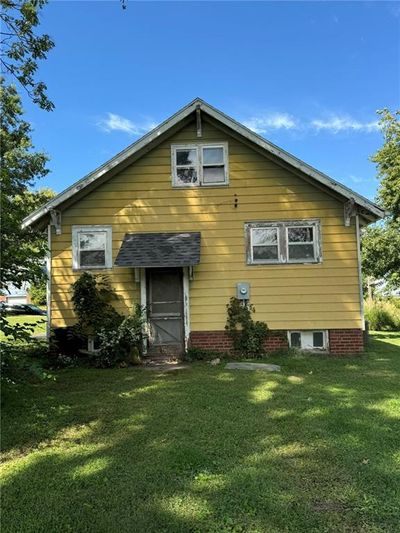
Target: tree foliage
column 381, row 242
column 22, row 48
column 38, row 293
column 22, row 250
column 387, row 160
column 381, row 253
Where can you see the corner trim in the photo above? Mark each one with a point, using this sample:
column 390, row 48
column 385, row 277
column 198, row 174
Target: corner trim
column 360, row 272
column 186, row 306
column 48, row 283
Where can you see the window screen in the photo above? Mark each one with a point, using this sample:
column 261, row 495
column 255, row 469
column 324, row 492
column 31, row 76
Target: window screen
column 92, row 249
column 301, row 243
column 92, row 246
column 186, row 161
column 264, row 243
column 284, row 241
column 318, row 339
column 213, row 165
column 200, row 165
column 295, row 339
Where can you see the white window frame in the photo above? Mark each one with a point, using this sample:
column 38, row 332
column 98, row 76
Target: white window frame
column 313, row 242
column 200, row 165
column 265, row 261
column 76, row 231
column 283, row 241
column 304, row 333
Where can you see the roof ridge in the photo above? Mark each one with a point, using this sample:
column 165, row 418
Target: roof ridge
column 231, row 123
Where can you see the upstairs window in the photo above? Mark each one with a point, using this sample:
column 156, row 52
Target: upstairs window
column 92, row 247
column 200, row 165
column 283, row 242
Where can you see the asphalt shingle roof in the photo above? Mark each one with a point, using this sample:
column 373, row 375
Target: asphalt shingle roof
column 159, row 250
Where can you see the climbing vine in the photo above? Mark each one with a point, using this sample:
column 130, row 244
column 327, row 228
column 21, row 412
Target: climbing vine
column 247, row 335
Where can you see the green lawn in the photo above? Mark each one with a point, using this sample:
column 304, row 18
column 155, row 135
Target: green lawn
column 315, row 448
column 38, row 322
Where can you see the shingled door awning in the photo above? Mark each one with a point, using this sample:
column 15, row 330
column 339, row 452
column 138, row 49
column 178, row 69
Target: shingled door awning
column 149, row 250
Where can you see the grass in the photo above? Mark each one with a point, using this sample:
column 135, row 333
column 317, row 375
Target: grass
column 38, row 322
column 315, row 448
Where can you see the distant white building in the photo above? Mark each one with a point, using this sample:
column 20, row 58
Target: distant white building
column 381, row 288
column 15, row 295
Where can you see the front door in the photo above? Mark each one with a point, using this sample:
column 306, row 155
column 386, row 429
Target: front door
column 165, row 311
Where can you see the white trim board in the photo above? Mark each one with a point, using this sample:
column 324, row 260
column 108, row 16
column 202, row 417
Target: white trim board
column 146, row 142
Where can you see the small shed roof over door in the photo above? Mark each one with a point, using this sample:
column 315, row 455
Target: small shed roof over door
column 150, row 250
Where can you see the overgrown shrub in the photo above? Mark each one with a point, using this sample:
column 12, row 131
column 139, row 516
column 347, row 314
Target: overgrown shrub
column 382, row 315
column 202, row 354
column 64, row 361
column 92, row 297
column 67, row 341
column 395, row 300
column 248, row 336
column 122, row 344
column 23, row 362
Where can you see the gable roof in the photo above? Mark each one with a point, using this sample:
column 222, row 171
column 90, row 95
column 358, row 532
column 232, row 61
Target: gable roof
column 166, row 128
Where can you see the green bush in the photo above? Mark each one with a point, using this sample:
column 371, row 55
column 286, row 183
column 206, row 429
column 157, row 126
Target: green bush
column 202, row 354
column 382, row 315
column 247, row 335
column 122, row 344
column 22, row 362
column 91, row 298
column 395, row 300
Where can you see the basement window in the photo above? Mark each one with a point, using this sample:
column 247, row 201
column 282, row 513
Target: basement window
column 91, row 247
column 283, row 242
column 308, row 340
column 200, row 165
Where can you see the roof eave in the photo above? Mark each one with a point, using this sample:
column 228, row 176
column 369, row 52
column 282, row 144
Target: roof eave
column 175, row 119
column 110, row 164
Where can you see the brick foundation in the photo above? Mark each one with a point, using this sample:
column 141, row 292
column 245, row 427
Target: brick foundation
column 346, row 341
column 220, row 341
column 341, row 341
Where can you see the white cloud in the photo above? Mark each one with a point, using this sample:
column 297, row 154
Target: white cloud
column 341, row 123
column 356, row 179
column 114, row 122
column 271, row 121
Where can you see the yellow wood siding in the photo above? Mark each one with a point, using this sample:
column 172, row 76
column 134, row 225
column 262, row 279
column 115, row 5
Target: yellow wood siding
column 141, row 199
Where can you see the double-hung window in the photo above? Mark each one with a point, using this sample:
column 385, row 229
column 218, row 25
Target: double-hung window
column 92, row 247
column 199, row 165
column 283, row 242
column 301, row 243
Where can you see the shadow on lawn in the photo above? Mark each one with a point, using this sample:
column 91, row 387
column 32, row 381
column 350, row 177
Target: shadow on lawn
column 212, row 450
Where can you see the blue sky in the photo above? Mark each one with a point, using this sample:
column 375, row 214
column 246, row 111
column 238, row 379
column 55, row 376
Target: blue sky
column 309, row 76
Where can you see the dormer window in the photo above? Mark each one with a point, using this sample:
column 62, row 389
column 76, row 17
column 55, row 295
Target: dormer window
column 200, row 165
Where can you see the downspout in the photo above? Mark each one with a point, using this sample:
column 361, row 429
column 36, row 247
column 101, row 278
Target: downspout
column 359, row 271
column 48, row 284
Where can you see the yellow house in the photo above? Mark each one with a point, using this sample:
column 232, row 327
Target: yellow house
column 202, row 209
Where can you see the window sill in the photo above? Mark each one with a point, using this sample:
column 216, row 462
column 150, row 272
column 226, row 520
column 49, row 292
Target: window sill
column 83, row 269
column 288, row 263
column 217, row 186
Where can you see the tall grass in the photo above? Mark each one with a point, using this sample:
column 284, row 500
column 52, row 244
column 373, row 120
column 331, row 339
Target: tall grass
column 382, row 315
